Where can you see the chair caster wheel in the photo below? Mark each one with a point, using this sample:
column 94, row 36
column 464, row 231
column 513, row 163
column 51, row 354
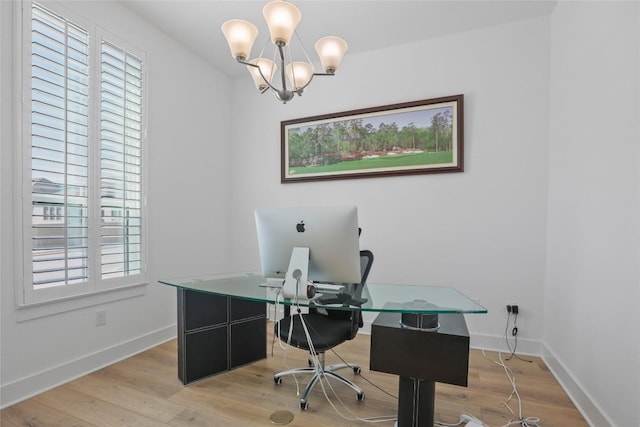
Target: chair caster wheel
column 304, row 405
column 277, row 380
column 360, row 397
column 357, row 370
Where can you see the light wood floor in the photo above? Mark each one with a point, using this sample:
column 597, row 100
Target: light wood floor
column 144, row 391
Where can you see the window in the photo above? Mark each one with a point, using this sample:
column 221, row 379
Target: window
column 83, row 145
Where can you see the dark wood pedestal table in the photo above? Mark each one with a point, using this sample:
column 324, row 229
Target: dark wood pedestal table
column 422, row 349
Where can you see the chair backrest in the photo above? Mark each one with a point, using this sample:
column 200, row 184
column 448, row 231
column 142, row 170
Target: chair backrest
column 366, row 261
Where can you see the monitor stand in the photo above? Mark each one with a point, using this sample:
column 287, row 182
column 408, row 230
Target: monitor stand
column 295, row 281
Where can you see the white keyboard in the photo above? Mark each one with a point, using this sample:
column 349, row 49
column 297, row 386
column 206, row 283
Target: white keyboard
column 271, row 283
column 328, row 287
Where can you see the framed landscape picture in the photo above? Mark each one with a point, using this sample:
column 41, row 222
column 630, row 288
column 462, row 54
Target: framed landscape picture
column 417, row 137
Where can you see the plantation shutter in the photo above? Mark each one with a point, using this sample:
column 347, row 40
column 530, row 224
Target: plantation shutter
column 59, row 150
column 120, row 162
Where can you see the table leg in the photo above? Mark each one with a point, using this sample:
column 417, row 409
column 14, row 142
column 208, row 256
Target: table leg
column 416, row 402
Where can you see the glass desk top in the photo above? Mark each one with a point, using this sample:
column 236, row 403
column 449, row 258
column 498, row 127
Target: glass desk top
column 373, row 297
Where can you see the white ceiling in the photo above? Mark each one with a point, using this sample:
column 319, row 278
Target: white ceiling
column 365, row 25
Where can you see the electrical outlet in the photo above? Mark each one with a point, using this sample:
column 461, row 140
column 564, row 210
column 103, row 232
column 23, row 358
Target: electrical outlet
column 101, row 317
column 513, row 308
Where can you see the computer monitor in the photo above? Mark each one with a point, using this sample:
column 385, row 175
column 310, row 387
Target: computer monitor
column 300, row 244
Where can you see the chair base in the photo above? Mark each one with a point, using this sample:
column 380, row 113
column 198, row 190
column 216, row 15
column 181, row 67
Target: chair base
column 325, row 371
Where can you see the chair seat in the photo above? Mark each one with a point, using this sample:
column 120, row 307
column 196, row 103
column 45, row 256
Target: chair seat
column 325, row 332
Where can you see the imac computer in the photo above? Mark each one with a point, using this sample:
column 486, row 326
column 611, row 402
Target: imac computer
column 309, row 244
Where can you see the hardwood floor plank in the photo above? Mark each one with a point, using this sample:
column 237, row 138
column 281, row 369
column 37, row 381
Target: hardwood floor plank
column 91, row 410
column 152, row 378
column 35, row 414
column 126, row 397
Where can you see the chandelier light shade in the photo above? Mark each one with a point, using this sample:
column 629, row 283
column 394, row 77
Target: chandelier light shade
column 299, row 74
column 240, row 36
column 263, row 73
column 282, row 18
column 331, row 50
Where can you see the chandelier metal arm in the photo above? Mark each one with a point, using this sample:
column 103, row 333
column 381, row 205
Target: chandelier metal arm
column 283, row 95
column 272, row 87
column 282, row 75
column 242, row 61
column 281, row 17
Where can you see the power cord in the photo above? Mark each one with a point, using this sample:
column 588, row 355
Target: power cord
column 322, row 379
column 514, row 334
column 467, row 420
column 283, row 347
column 516, row 419
column 363, row 377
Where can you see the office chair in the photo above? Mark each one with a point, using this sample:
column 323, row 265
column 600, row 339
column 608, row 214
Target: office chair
column 327, row 328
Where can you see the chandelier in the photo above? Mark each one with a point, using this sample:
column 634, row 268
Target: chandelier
column 282, row 18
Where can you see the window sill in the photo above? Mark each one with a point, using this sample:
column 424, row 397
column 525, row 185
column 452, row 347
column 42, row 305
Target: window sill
column 43, row 309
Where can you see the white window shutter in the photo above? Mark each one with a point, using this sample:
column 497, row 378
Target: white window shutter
column 59, row 150
column 121, row 162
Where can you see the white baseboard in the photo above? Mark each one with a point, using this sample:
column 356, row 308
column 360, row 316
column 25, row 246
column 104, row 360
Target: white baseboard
column 589, row 410
column 525, row 347
column 39, row 382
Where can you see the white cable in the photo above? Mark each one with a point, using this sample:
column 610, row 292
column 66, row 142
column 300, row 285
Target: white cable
column 468, row 420
column 441, row 424
column 518, row 419
column 515, row 419
column 285, row 348
column 322, row 379
column 278, row 296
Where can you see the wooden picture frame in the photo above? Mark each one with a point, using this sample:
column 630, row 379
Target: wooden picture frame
column 418, row 137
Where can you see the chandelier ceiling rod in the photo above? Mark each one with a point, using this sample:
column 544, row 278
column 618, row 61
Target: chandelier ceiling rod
column 282, row 18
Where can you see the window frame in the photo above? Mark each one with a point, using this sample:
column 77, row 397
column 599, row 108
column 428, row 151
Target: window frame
column 95, row 289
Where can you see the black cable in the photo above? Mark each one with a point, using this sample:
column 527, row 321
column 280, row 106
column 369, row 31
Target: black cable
column 307, row 328
column 363, row 377
column 349, row 365
column 514, row 334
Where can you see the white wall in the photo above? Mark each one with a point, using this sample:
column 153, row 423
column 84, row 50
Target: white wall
column 531, row 145
column 592, row 326
column 481, row 231
column 188, row 136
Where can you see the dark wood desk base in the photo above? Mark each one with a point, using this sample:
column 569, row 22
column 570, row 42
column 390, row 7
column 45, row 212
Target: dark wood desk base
column 218, row 333
column 421, row 359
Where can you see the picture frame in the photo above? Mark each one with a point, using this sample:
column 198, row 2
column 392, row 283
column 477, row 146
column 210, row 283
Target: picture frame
column 418, row 137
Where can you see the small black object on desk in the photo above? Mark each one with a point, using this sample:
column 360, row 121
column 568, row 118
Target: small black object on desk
column 422, row 321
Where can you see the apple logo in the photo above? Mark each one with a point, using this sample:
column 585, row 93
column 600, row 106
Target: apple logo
column 300, row 227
